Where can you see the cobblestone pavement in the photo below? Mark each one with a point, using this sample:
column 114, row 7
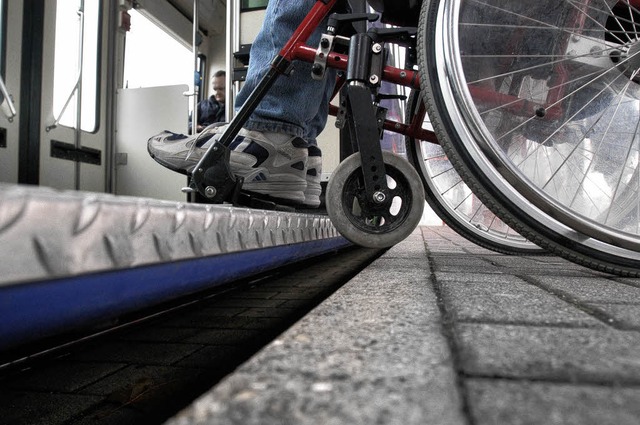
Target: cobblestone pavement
column 147, row 373
column 441, row 331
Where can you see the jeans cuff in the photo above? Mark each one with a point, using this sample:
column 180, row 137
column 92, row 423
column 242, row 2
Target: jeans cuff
column 274, row 127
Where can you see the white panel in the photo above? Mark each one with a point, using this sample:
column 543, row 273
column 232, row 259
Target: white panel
column 143, row 113
column 329, row 143
column 250, row 23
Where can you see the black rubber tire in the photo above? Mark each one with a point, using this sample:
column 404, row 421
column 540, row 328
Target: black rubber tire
column 342, row 192
column 511, row 206
column 485, row 234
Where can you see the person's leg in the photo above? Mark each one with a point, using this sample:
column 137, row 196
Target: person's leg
column 313, row 129
column 270, row 152
column 296, row 104
column 294, row 101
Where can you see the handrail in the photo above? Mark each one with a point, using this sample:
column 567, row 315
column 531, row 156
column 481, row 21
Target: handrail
column 77, row 86
column 7, row 98
column 197, row 78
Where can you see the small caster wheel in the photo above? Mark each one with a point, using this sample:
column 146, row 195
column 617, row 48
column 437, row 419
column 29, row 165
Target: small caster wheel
column 382, row 222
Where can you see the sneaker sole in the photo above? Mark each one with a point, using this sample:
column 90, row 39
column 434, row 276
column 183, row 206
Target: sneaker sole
column 312, row 195
column 279, row 190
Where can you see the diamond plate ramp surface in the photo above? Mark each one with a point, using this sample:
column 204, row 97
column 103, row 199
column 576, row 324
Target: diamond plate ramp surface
column 47, row 234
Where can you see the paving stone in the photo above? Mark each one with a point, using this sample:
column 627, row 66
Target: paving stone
column 535, row 403
column 159, row 334
column 510, row 300
column 628, row 280
column 381, row 323
column 203, row 320
column 152, row 353
column 43, row 408
column 299, row 304
column 628, row 315
column 250, row 399
column 378, row 282
column 412, row 247
column 474, row 277
column 360, row 357
column 211, row 357
column 223, row 337
column 551, row 353
column 444, row 240
column 64, row 378
column 403, row 265
column 113, row 414
column 267, row 312
column 466, row 262
column 445, row 248
column 540, row 265
column 313, row 284
column 132, row 381
column 251, row 302
column 168, row 363
column 217, row 311
column 264, row 323
column 592, row 290
column 259, row 293
column 301, row 294
column 153, row 393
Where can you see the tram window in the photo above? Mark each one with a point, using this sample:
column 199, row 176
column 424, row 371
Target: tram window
column 3, row 35
column 67, row 65
column 153, row 57
column 253, row 4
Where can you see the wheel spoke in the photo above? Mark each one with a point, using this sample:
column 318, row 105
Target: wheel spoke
column 538, row 105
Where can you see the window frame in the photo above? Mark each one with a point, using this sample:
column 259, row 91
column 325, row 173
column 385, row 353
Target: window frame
column 3, row 37
column 245, row 5
column 98, row 73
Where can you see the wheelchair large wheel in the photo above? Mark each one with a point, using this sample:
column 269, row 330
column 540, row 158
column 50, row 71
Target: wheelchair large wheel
column 453, row 201
column 537, row 105
column 375, row 225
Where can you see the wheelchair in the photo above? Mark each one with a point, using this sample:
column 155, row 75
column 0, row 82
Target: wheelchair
column 535, row 109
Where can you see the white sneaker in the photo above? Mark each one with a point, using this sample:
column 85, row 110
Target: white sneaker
column 314, row 176
column 271, row 164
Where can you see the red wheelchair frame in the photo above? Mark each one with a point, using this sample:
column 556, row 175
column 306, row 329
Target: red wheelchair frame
column 212, row 177
column 212, row 170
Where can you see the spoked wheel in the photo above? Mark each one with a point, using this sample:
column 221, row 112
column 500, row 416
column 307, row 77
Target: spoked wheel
column 453, row 201
column 537, row 105
column 375, row 224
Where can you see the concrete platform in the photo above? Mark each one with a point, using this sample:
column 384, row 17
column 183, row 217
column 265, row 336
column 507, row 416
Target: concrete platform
column 441, row 331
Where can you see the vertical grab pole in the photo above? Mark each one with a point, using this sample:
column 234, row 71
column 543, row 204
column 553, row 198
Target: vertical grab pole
column 77, row 136
column 196, row 76
column 232, row 45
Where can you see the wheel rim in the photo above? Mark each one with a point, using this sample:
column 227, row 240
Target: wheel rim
column 455, row 200
column 375, row 226
column 570, row 145
column 386, row 218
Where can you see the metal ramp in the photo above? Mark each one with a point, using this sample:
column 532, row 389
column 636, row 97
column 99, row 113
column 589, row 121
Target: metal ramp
column 72, row 258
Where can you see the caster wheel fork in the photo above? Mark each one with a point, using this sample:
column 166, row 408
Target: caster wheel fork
column 379, row 223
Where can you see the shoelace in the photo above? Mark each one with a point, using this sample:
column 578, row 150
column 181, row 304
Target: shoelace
column 204, row 136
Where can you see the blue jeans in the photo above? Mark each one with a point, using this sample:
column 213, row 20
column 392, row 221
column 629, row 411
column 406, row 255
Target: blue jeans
column 295, row 104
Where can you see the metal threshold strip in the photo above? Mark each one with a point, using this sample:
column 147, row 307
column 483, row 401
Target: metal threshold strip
column 71, row 258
